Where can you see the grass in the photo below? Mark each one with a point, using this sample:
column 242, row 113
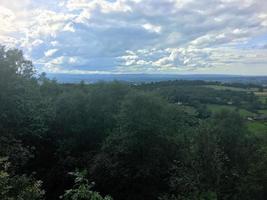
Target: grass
column 217, row 108
column 262, row 96
column 221, row 87
column 246, row 113
column 263, row 99
column 257, row 127
column 263, row 112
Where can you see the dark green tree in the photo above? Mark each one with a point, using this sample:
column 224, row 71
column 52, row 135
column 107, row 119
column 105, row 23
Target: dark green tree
column 135, row 158
column 82, row 189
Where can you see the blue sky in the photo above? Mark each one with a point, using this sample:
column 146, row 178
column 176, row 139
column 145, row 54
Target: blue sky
column 139, row 36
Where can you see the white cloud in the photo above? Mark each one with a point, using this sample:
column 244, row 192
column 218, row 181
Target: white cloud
column 152, row 28
column 49, row 23
column 102, row 5
column 37, row 42
column 50, row 52
column 15, row 5
column 54, row 43
column 191, row 59
column 6, row 18
column 69, row 27
column 137, row 35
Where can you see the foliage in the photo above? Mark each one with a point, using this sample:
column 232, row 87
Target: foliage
column 171, row 140
column 141, row 149
column 18, row 187
column 82, row 189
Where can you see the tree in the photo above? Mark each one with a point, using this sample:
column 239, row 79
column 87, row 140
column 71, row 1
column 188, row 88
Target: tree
column 13, row 65
column 135, row 158
column 20, row 100
column 223, row 155
column 18, row 187
column 82, row 189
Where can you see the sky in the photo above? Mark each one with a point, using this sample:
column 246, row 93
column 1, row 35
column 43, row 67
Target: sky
column 138, row 36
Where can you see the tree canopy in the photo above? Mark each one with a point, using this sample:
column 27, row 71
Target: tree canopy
column 147, row 141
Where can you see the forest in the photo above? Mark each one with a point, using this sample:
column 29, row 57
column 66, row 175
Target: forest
column 169, row 140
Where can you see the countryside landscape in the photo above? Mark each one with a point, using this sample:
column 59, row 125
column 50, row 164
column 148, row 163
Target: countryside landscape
column 133, row 100
column 177, row 139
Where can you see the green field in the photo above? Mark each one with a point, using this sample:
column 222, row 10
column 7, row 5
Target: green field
column 257, row 127
column 263, row 112
column 262, row 96
column 262, row 99
column 217, row 108
column 222, row 87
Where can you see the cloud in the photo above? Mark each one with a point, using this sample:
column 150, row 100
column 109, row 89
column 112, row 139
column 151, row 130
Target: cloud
column 15, row 5
column 50, row 52
column 190, row 59
column 115, row 36
column 152, row 28
column 100, row 5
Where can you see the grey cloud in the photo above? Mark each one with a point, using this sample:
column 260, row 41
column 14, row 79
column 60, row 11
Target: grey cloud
column 161, row 35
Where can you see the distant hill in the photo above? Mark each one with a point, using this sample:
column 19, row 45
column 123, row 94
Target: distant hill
column 138, row 78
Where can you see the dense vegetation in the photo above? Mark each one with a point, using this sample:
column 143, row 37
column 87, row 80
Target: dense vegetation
column 127, row 142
